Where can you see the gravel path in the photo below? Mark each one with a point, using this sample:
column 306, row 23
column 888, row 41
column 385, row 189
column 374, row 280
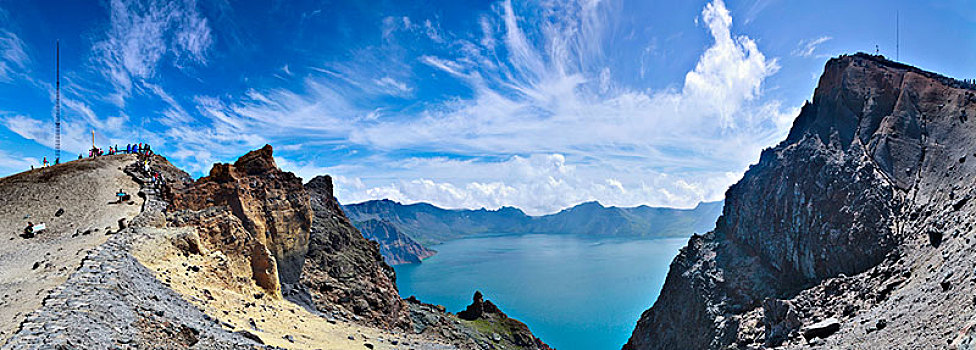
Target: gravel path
column 81, row 191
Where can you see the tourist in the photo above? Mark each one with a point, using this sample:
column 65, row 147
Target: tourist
column 29, row 230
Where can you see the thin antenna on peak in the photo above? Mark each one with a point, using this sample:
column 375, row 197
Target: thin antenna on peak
column 897, row 35
column 57, row 120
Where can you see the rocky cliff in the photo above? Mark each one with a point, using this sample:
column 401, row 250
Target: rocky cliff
column 344, row 272
column 208, row 264
column 254, row 209
column 395, row 246
column 838, row 235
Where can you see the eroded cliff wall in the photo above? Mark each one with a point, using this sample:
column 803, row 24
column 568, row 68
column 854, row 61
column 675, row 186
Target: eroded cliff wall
column 831, row 223
column 253, row 209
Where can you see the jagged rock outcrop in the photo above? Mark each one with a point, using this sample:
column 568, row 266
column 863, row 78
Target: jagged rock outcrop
column 344, row 271
column 479, row 308
column 395, row 246
column 194, row 267
column 835, row 221
column 252, row 209
column 481, row 325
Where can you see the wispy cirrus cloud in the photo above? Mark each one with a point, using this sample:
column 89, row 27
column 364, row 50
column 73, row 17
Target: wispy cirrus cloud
column 805, row 48
column 539, row 98
column 13, row 53
column 142, row 33
column 11, row 163
column 543, row 124
column 523, row 108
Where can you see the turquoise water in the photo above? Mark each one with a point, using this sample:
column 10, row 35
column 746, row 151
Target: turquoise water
column 575, row 293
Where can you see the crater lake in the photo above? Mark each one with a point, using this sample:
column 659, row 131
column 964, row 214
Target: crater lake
column 574, row 292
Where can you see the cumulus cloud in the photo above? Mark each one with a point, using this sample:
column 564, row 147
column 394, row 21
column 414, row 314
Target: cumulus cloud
column 535, row 117
column 673, row 146
column 539, row 184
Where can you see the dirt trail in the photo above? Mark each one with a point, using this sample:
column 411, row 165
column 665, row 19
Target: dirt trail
column 30, row 268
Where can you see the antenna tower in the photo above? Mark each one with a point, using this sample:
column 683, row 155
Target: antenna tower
column 897, row 35
column 57, row 120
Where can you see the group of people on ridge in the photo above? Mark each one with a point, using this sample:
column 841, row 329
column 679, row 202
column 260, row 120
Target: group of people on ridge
column 132, row 148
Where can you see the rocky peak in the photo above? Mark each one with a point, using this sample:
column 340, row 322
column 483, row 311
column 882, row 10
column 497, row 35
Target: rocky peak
column 271, row 205
column 320, row 184
column 829, row 214
column 480, row 308
column 258, row 161
column 321, row 190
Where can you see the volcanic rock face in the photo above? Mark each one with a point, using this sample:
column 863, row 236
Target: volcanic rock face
column 344, row 272
column 395, row 246
column 833, row 221
column 481, row 325
column 264, row 214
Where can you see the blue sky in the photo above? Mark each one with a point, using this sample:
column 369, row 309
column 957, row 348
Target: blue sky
column 539, row 104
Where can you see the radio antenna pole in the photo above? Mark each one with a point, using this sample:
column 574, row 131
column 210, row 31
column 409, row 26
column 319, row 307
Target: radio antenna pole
column 897, row 35
column 57, row 120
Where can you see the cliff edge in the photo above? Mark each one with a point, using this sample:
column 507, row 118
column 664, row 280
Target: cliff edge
column 853, row 230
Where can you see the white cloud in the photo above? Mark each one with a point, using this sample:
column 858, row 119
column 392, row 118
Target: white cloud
column 539, row 184
column 395, row 87
column 805, row 48
column 543, row 99
column 544, row 127
column 544, row 123
column 14, row 164
column 142, row 33
column 74, row 139
column 13, row 54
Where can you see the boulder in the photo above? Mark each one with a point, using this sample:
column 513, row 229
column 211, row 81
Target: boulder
column 781, row 319
column 821, row 329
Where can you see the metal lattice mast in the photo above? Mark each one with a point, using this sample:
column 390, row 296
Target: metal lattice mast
column 57, row 120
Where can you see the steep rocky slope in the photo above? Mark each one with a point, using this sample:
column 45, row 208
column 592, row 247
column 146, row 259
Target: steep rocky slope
column 344, row 272
column 211, row 264
column 854, row 231
column 72, row 200
column 395, row 246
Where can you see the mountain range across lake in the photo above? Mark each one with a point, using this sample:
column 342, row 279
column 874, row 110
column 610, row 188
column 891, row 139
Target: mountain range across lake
column 406, row 231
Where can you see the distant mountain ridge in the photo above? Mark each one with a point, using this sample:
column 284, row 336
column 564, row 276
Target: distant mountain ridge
column 429, row 224
column 395, row 246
